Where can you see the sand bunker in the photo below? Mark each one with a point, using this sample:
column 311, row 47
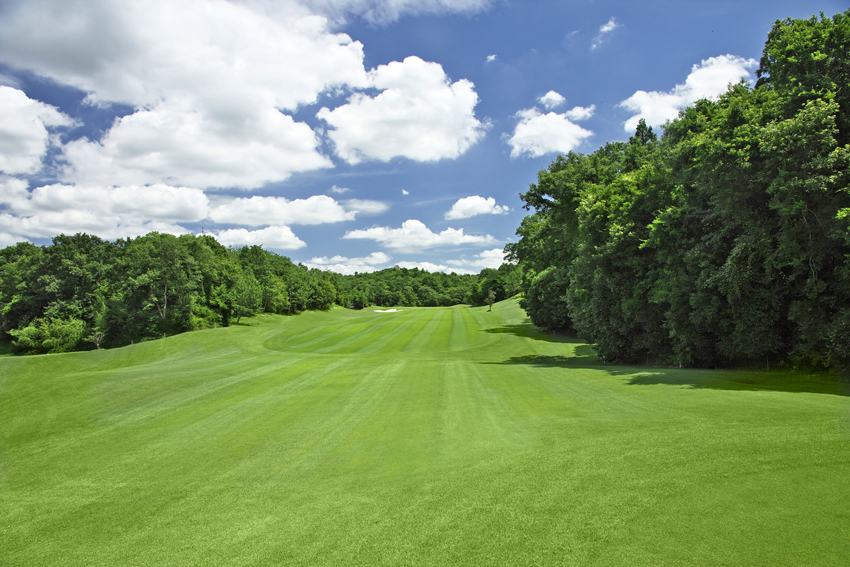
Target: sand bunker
column 387, row 310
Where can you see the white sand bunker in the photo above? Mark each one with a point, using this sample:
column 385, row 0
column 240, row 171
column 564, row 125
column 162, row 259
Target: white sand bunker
column 387, row 310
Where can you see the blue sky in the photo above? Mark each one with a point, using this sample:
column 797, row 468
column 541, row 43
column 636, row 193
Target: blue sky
column 346, row 134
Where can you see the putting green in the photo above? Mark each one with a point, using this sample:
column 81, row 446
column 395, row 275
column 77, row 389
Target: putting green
column 427, row 436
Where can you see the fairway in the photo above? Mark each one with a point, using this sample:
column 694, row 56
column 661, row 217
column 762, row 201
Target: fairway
column 427, row 436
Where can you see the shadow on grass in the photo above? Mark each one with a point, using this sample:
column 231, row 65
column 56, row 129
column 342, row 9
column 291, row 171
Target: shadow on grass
column 529, row 331
column 583, row 357
column 744, row 380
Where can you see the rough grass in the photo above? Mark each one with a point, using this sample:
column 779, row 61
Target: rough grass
column 424, row 437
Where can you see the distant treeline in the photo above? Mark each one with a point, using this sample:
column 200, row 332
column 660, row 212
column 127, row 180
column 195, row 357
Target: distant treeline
column 84, row 292
column 727, row 240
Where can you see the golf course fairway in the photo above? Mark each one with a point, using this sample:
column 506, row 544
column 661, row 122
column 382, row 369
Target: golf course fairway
column 426, row 436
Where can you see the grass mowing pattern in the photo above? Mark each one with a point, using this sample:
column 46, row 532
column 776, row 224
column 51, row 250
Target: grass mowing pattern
column 423, row 437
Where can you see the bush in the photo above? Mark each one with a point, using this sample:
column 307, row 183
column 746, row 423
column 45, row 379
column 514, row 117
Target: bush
column 49, row 336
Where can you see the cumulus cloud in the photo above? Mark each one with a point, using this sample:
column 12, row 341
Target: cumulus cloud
column 405, row 192
column 432, row 267
column 551, row 100
column 491, row 58
column 24, row 135
column 707, row 79
column 414, row 235
column 280, row 237
column 7, row 239
column 348, row 266
column 388, row 11
column 365, row 206
column 538, row 134
column 340, row 190
column 487, row 259
column 109, row 212
column 420, row 114
column 604, row 30
column 580, row 113
column 257, row 211
column 475, row 205
column 175, row 143
column 372, row 259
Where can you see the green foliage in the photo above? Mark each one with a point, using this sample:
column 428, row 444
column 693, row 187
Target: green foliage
column 48, row 336
column 726, row 240
column 405, row 287
column 546, row 299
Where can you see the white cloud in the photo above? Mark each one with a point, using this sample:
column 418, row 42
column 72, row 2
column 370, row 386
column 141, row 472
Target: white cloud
column 142, row 53
column 475, row 205
column 405, row 192
column 414, row 235
column 580, row 113
column 605, row 29
column 387, row 11
column 365, row 206
column 208, row 80
column 7, row 239
column 109, row 212
column 340, row 190
column 431, row 267
column 487, row 259
column 610, row 26
column 348, row 266
column 178, row 143
column 551, row 100
column 24, row 137
column 709, row 78
column 280, row 237
column 538, row 134
column 257, row 211
column 372, row 259
column 491, row 58
column 419, row 115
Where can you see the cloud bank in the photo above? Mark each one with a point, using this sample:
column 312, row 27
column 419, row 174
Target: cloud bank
column 414, row 235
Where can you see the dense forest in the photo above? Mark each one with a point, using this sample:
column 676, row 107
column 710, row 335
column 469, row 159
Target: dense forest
column 724, row 241
column 84, row 292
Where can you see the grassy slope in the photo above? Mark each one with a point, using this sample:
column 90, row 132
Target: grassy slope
column 429, row 436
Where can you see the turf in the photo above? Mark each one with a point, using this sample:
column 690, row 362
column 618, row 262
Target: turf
column 424, row 437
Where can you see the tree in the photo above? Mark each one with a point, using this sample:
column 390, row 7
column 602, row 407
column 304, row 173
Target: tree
column 247, row 295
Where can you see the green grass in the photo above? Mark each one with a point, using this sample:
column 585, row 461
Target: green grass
column 424, row 437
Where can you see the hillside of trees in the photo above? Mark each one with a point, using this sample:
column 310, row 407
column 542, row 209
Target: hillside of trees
column 724, row 241
column 83, row 292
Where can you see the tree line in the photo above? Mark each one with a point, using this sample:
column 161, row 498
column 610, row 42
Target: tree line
column 83, row 292
column 724, row 241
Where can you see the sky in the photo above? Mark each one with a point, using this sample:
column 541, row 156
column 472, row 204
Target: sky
column 350, row 135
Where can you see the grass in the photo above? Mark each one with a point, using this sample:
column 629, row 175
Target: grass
column 424, row 437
